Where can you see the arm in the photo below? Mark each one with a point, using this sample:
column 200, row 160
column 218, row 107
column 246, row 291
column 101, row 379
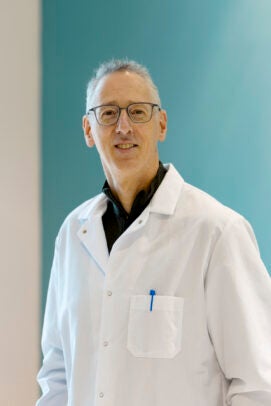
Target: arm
column 52, row 375
column 238, row 295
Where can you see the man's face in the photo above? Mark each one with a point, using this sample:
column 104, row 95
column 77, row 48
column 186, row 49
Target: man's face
column 125, row 146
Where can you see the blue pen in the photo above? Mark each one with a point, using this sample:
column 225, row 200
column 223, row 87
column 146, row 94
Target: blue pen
column 152, row 293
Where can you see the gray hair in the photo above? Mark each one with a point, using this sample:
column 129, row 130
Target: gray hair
column 120, row 65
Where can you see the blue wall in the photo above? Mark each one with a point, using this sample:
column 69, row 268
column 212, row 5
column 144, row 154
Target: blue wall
column 211, row 61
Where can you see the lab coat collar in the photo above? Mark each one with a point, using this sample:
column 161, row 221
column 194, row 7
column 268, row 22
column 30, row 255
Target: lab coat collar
column 164, row 200
column 91, row 232
column 93, row 207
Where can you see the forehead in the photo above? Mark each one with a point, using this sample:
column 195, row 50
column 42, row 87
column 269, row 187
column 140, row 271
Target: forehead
column 122, row 87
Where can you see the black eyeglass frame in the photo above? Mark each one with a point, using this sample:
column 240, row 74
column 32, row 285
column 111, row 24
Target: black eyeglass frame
column 127, row 111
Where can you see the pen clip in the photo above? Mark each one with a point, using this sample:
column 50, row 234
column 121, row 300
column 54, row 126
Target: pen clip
column 152, row 293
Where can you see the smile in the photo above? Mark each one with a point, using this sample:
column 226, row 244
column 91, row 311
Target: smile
column 125, row 146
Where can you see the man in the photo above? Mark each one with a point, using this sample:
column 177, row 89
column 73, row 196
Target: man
column 157, row 295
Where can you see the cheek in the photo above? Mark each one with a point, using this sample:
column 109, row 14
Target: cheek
column 103, row 144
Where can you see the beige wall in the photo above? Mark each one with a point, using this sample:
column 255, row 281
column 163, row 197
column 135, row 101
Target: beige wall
column 19, row 201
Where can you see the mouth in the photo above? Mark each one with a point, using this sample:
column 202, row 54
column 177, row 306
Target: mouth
column 125, row 146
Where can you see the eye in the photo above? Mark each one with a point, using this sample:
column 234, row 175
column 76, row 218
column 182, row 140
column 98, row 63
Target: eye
column 108, row 112
column 138, row 112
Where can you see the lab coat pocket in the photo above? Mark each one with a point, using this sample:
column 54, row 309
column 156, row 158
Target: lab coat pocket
column 156, row 333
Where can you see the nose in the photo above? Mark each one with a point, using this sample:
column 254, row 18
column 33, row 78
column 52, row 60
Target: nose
column 124, row 123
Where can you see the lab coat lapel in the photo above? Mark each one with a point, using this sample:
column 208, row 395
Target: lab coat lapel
column 91, row 232
column 166, row 197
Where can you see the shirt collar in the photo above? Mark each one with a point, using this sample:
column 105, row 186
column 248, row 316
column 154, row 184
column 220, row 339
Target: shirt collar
column 143, row 197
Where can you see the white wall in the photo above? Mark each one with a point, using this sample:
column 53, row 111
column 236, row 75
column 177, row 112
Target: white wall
column 19, row 201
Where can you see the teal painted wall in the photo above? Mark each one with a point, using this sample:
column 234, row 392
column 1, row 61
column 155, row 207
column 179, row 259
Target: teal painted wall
column 211, row 61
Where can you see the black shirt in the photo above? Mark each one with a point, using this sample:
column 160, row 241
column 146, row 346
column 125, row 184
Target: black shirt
column 115, row 219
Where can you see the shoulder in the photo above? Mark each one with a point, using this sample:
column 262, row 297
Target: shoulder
column 199, row 207
column 200, row 202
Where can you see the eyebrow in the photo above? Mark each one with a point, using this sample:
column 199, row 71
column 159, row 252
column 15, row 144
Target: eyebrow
column 114, row 102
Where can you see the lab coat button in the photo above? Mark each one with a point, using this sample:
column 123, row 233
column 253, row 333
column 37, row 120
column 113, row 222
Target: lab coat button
column 105, row 343
column 140, row 221
column 101, row 394
column 109, row 293
column 84, row 231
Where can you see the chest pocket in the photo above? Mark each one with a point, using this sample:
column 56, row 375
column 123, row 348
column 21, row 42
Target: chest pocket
column 156, row 333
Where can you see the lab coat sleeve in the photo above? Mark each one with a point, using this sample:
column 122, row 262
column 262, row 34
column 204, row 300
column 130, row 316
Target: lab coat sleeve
column 238, row 303
column 52, row 375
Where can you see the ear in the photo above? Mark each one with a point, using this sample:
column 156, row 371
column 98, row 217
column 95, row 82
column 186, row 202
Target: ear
column 87, row 132
column 163, row 125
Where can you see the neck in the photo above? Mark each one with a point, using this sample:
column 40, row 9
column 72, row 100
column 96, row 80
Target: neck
column 125, row 188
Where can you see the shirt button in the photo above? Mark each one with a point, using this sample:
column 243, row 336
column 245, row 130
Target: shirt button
column 84, row 231
column 106, row 343
column 109, row 293
column 101, row 394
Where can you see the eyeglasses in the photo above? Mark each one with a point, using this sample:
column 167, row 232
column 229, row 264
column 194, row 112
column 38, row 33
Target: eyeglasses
column 138, row 112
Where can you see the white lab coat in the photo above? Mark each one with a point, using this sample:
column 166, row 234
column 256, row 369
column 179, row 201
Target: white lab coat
column 207, row 340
